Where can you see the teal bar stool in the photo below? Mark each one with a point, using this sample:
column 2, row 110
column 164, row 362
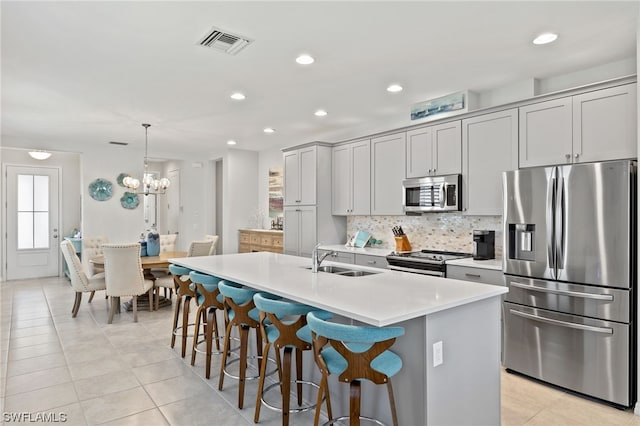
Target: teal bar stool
column 209, row 300
column 184, row 292
column 354, row 353
column 240, row 311
column 283, row 325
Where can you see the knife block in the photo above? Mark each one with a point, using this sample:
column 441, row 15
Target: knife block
column 402, row 244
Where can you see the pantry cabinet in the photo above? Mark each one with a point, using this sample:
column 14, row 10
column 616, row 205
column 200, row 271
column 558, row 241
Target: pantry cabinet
column 300, row 176
column 351, row 179
column 434, row 150
column 489, row 147
column 299, row 230
column 593, row 126
column 388, row 164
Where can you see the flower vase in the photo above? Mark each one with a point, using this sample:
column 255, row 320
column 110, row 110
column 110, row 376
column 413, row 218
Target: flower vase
column 153, row 243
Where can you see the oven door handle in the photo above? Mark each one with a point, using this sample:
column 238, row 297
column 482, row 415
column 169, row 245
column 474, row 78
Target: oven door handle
column 608, row 297
column 416, row 271
column 603, row 330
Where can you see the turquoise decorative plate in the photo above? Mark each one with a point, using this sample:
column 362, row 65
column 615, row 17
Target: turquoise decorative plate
column 100, row 189
column 129, row 200
column 120, row 179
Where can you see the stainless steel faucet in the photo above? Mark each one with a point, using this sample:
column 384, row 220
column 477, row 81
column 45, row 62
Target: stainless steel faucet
column 317, row 260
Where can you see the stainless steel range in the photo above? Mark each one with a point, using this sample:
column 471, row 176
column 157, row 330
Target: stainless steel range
column 426, row 262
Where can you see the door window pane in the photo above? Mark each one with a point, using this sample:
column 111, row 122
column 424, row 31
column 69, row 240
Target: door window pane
column 25, row 230
column 41, row 193
column 33, row 211
column 25, row 192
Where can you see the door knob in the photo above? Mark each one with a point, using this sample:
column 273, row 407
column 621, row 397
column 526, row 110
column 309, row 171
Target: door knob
column 576, row 156
column 55, row 236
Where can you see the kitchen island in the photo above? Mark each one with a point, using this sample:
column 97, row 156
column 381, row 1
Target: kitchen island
column 460, row 385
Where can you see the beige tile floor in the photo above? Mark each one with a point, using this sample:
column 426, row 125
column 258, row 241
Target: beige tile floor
column 126, row 373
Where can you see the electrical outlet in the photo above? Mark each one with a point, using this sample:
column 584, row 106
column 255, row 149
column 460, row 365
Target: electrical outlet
column 437, row 354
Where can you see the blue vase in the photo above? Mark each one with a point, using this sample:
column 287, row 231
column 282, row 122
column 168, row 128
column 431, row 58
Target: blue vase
column 153, row 244
column 143, row 248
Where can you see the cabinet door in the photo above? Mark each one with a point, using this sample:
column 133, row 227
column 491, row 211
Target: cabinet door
column 291, row 179
column 546, row 133
column 361, row 178
column 291, row 230
column 388, row 162
column 447, row 148
column 307, row 230
column 341, row 180
column 605, row 124
column 307, row 158
column 419, row 152
column 489, row 147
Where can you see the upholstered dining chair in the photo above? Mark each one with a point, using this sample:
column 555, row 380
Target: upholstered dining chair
column 80, row 282
column 199, row 248
column 92, row 247
column 167, row 243
column 124, row 277
column 214, row 244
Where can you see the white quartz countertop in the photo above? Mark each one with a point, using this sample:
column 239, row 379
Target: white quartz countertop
column 382, row 299
column 371, row 251
column 494, row 264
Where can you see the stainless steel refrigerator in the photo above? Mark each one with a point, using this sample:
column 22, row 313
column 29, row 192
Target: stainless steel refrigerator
column 570, row 265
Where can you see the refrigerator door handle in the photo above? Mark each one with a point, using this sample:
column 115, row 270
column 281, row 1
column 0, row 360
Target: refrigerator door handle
column 559, row 225
column 551, row 199
column 603, row 330
column 608, row 297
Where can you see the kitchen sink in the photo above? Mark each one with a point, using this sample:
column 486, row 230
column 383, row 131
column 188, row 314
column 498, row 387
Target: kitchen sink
column 345, row 272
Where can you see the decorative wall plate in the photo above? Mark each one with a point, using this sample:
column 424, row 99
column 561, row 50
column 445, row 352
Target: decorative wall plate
column 120, row 179
column 100, row 189
column 129, row 200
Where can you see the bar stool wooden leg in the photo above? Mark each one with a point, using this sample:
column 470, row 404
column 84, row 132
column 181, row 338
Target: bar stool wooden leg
column 185, row 324
column 244, row 342
column 322, row 391
column 299, row 375
column 286, row 385
column 392, row 401
column 354, row 403
column 208, row 331
column 225, row 353
column 263, row 373
column 215, row 329
column 176, row 313
column 200, row 314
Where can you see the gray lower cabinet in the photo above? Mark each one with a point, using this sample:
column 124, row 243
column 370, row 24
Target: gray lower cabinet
column 371, row 261
column 479, row 275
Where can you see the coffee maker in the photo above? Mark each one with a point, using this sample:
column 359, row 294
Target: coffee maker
column 484, row 245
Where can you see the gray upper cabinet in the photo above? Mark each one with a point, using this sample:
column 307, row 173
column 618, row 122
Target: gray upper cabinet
column 489, row 147
column 593, row 126
column 351, row 179
column 434, row 150
column 300, row 176
column 387, row 173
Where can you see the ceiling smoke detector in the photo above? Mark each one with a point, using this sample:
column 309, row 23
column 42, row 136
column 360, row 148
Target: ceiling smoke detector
column 224, row 41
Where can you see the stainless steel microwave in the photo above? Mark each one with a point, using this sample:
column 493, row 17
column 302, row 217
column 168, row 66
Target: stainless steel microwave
column 432, row 194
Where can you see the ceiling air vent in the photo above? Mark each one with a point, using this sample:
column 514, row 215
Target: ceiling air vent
column 224, row 41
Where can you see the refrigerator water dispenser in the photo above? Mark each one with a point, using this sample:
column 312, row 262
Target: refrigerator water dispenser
column 522, row 238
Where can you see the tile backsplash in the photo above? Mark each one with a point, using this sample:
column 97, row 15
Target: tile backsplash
column 435, row 231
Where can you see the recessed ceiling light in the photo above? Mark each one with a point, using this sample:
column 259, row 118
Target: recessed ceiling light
column 238, row 96
column 545, row 38
column 269, row 130
column 320, row 113
column 305, row 59
column 231, row 142
column 394, row 88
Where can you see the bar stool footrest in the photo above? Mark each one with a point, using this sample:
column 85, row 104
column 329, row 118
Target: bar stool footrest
column 176, row 331
column 367, row 419
column 235, row 376
column 214, row 352
column 291, row 410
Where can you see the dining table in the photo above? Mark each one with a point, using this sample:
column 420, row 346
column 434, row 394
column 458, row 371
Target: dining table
column 148, row 263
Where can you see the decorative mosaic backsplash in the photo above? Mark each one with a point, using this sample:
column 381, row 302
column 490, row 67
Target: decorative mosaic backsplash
column 435, row 231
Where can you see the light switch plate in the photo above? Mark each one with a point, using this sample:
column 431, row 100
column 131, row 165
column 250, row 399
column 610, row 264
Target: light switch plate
column 437, row 354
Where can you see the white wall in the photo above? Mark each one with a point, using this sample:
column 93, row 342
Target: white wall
column 240, row 195
column 70, row 188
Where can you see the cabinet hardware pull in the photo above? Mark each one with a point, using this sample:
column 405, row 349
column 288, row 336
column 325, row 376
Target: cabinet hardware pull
column 471, row 275
column 567, row 156
column 560, row 292
column 371, row 262
column 577, row 155
column 604, row 330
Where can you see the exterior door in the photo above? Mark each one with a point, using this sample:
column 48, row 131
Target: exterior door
column 32, row 222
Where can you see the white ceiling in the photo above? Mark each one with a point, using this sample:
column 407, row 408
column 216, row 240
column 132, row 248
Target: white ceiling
column 77, row 74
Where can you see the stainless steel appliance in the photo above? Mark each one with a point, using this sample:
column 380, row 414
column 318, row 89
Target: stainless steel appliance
column 432, row 194
column 426, row 262
column 570, row 265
